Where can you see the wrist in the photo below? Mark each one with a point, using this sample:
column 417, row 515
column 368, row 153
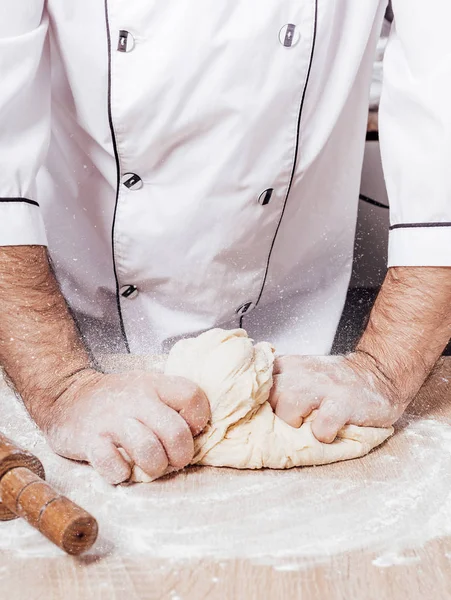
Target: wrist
column 365, row 364
column 398, row 381
column 409, row 326
column 46, row 399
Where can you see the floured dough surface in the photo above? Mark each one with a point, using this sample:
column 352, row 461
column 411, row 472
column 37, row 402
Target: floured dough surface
column 244, row 433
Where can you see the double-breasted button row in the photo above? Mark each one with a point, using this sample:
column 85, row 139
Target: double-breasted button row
column 131, row 181
column 126, row 43
column 289, row 36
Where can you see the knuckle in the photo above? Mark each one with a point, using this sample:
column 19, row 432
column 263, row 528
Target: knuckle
column 290, row 401
column 189, row 393
column 188, row 390
column 195, row 396
column 197, row 410
column 198, row 403
column 192, row 390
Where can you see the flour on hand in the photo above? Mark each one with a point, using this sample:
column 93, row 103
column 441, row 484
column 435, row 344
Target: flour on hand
column 244, row 432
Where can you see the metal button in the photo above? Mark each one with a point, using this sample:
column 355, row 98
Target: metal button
column 129, row 291
column 132, row 181
column 265, row 197
column 126, row 41
column 289, row 35
column 244, row 308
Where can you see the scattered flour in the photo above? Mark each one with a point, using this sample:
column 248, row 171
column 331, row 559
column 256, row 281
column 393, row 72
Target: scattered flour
column 269, row 516
column 391, row 559
column 287, row 567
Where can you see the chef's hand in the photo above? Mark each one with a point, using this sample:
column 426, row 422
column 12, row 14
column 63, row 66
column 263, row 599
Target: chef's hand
column 152, row 417
column 344, row 389
column 409, row 326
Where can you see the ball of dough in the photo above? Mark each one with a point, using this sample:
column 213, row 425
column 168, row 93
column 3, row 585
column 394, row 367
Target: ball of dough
column 244, row 433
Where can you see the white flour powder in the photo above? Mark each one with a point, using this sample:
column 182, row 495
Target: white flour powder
column 268, row 516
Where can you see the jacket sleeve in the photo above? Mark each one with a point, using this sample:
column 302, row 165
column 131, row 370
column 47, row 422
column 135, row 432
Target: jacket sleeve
column 24, row 118
column 415, row 133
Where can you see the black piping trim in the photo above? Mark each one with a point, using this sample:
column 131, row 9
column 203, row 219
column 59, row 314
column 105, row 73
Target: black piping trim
column 118, row 170
column 373, row 202
column 296, row 153
column 416, row 225
column 25, row 200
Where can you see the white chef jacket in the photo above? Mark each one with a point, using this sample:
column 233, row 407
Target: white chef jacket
column 193, row 164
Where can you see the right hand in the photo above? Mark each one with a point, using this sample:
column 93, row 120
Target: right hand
column 152, row 417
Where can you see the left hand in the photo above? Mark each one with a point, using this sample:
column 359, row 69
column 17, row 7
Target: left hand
column 344, row 389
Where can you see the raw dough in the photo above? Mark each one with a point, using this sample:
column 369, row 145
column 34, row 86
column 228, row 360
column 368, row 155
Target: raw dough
column 244, row 432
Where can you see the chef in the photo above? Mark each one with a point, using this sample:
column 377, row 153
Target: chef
column 168, row 167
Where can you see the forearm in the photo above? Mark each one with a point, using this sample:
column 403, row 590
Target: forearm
column 409, row 326
column 40, row 347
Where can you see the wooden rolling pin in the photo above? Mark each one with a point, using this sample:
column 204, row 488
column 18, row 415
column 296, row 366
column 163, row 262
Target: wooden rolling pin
column 23, row 493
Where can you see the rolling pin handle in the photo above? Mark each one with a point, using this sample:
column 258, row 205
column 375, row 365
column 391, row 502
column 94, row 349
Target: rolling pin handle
column 11, row 456
column 64, row 523
column 23, row 493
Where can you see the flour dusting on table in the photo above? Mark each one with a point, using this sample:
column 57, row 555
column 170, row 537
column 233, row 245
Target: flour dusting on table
column 268, row 516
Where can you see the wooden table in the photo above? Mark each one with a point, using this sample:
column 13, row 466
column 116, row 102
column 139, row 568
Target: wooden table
column 378, row 527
